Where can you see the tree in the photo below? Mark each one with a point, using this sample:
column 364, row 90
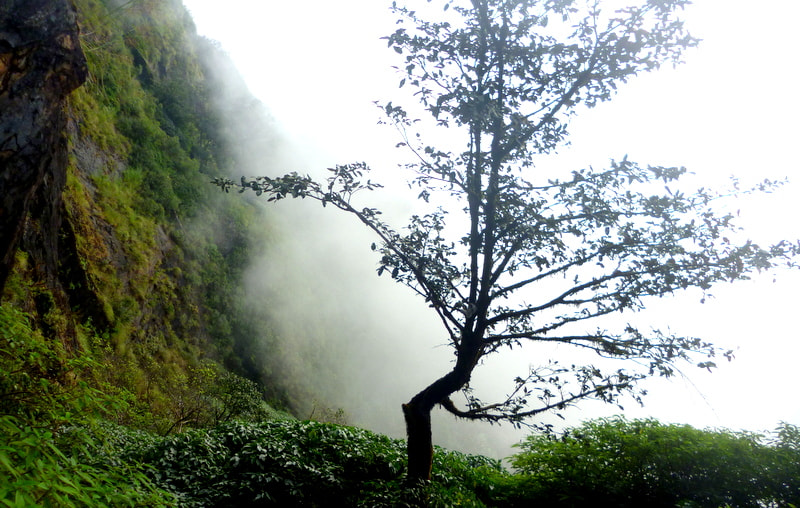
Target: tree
column 542, row 255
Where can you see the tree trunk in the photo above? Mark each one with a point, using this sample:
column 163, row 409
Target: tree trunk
column 418, row 415
column 419, row 442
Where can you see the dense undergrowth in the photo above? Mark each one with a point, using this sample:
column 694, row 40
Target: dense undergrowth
column 59, row 446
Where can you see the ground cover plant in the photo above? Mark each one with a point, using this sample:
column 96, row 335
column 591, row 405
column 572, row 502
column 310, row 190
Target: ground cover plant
column 287, row 462
column 58, row 448
column 647, row 463
column 47, row 427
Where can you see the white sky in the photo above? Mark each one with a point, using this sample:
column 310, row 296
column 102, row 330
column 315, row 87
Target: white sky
column 731, row 110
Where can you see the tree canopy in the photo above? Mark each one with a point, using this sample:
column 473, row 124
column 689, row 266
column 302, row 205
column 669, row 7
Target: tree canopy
column 542, row 256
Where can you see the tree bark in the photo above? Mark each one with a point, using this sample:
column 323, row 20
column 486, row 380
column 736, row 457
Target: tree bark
column 419, row 443
column 417, row 413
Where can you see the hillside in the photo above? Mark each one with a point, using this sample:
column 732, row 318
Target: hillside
column 133, row 257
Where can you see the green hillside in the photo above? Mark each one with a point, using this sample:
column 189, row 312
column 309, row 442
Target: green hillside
column 150, row 255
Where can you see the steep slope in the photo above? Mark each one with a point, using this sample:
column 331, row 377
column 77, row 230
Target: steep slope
column 115, row 243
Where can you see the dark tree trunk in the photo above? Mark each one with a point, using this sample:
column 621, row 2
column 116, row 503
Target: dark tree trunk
column 419, row 444
column 417, row 413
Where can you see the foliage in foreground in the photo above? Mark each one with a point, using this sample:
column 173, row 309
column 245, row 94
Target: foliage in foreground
column 41, row 468
column 58, row 449
column 304, row 463
column 41, row 395
column 646, row 463
column 52, row 430
column 612, row 462
column 290, row 462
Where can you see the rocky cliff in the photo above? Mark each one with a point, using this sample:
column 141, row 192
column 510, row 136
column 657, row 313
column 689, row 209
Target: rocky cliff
column 113, row 241
column 41, row 62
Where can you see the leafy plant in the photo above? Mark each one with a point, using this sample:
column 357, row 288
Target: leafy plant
column 41, row 396
column 289, row 462
column 41, row 468
column 784, row 466
column 38, row 380
column 624, row 463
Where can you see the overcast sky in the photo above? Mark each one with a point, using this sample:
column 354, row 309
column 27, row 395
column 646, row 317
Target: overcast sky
column 731, row 110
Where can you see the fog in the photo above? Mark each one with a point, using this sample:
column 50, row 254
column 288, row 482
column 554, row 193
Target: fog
column 348, row 339
column 354, row 341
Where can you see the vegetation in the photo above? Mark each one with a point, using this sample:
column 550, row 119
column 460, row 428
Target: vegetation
column 142, row 324
column 287, row 462
column 41, row 396
column 135, row 378
column 57, row 448
column 150, row 258
column 544, row 256
column 645, row 463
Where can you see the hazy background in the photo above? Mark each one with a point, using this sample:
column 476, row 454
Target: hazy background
column 366, row 345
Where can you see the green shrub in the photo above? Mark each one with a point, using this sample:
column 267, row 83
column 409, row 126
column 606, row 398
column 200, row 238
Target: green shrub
column 41, row 397
column 295, row 463
column 41, row 468
column 623, row 463
column 784, row 463
column 37, row 379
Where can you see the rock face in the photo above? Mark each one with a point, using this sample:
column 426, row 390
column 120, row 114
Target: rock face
column 41, row 62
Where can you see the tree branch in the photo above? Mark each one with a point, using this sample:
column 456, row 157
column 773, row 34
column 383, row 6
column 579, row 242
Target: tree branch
column 481, row 414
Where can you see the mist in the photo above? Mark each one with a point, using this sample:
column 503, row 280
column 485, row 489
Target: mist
column 347, row 339
column 353, row 341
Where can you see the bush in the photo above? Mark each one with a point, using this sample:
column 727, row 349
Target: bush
column 785, row 465
column 43, row 468
column 37, row 378
column 645, row 463
column 294, row 463
column 41, row 463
